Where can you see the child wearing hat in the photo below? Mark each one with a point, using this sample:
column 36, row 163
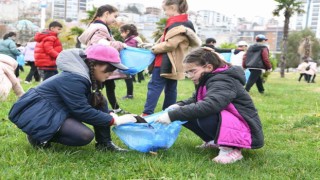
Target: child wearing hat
column 56, row 110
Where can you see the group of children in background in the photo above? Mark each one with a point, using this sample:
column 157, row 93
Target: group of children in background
column 307, row 70
column 220, row 112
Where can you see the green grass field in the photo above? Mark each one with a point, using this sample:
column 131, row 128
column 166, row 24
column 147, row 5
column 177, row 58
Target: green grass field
column 290, row 114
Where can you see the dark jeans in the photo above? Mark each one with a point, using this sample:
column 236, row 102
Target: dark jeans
column 313, row 78
column 33, row 73
column 155, row 87
column 111, row 95
column 255, row 78
column 205, row 128
column 302, row 75
column 129, row 83
column 49, row 73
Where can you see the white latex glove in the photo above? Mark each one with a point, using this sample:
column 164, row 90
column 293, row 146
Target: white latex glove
column 114, row 115
column 164, row 119
column 128, row 118
column 172, row 107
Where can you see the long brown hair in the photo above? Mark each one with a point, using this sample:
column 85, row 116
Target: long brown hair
column 204, row 55
column 103, row 9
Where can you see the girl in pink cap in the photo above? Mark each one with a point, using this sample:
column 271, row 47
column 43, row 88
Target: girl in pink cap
column 56, row 110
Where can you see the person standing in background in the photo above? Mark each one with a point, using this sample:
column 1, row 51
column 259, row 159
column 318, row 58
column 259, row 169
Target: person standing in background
column 237, row 54
column 9, row 47
column 178, row 37
column 130, row 34
column 47, row 49
column 99, row 32
column 257, row 60
column 29, row 57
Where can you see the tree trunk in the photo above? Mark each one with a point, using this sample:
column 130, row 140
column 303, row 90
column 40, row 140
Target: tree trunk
column 78, row 44
column 284, row 44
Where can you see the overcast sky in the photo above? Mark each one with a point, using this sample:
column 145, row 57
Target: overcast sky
column 240, row 8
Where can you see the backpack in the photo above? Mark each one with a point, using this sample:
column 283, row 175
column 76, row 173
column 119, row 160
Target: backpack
column 308, row 68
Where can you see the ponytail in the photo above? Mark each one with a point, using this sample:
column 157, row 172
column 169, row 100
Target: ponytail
column 101, row 10
column 97, row 100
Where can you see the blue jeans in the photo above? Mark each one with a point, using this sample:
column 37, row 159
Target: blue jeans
column 155, row 87
column 206, row 128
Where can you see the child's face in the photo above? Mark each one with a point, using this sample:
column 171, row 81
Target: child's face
column 194, row 71
column 100, row 74
column 110, row 18
column 171, row 10
column 56, row 29
column 124, row 34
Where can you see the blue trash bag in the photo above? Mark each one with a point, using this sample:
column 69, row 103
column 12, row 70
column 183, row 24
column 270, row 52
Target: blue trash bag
column 20, row 60
column 227, row 56
column 136, row 59
column 151, row 136
column 247, row 74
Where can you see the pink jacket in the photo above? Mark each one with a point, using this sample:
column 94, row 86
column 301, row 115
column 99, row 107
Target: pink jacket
column 8, row 80
column 98, row 33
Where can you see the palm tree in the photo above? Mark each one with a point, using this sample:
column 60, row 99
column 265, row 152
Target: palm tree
column 289, row 7
column 76, row 31
column 160, row 29
column 90, row 15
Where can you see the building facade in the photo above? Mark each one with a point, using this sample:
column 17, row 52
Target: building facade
column 309, row 19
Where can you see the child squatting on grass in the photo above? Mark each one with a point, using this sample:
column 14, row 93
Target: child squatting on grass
column 55, row 110
column 220, row 112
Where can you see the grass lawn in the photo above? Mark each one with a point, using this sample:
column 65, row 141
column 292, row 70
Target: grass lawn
column 290, row 114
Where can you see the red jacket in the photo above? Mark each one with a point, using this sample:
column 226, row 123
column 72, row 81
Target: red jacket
column 47, row 49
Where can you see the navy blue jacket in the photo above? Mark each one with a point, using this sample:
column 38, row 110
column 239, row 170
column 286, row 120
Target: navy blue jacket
column 41, row 111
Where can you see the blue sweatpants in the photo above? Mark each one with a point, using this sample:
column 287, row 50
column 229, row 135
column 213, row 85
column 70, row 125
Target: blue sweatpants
column 155, row 88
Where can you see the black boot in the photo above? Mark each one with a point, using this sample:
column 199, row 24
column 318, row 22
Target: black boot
column 103, row 139
column 36, row 144
column 109, row 146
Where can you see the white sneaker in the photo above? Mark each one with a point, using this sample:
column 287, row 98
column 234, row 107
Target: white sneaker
column 209, row 144
column 228, row 155
column 27, row 82
column 117, row 110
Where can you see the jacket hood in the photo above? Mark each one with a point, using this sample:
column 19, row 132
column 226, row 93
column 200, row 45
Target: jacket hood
column 235, row 72
column 41, row 35
column 194, row 40
column 257, row 47
column 71, row 61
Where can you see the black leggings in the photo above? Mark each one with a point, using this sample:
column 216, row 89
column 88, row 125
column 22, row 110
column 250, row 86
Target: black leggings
column 73, row 133
column 205, row 128
column 129, row 83
column 111, row 95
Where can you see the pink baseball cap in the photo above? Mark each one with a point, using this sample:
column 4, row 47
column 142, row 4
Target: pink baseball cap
column 104, row 53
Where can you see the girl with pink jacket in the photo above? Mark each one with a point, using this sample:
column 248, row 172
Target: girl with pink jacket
column 8, row 79
column 99, row 32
